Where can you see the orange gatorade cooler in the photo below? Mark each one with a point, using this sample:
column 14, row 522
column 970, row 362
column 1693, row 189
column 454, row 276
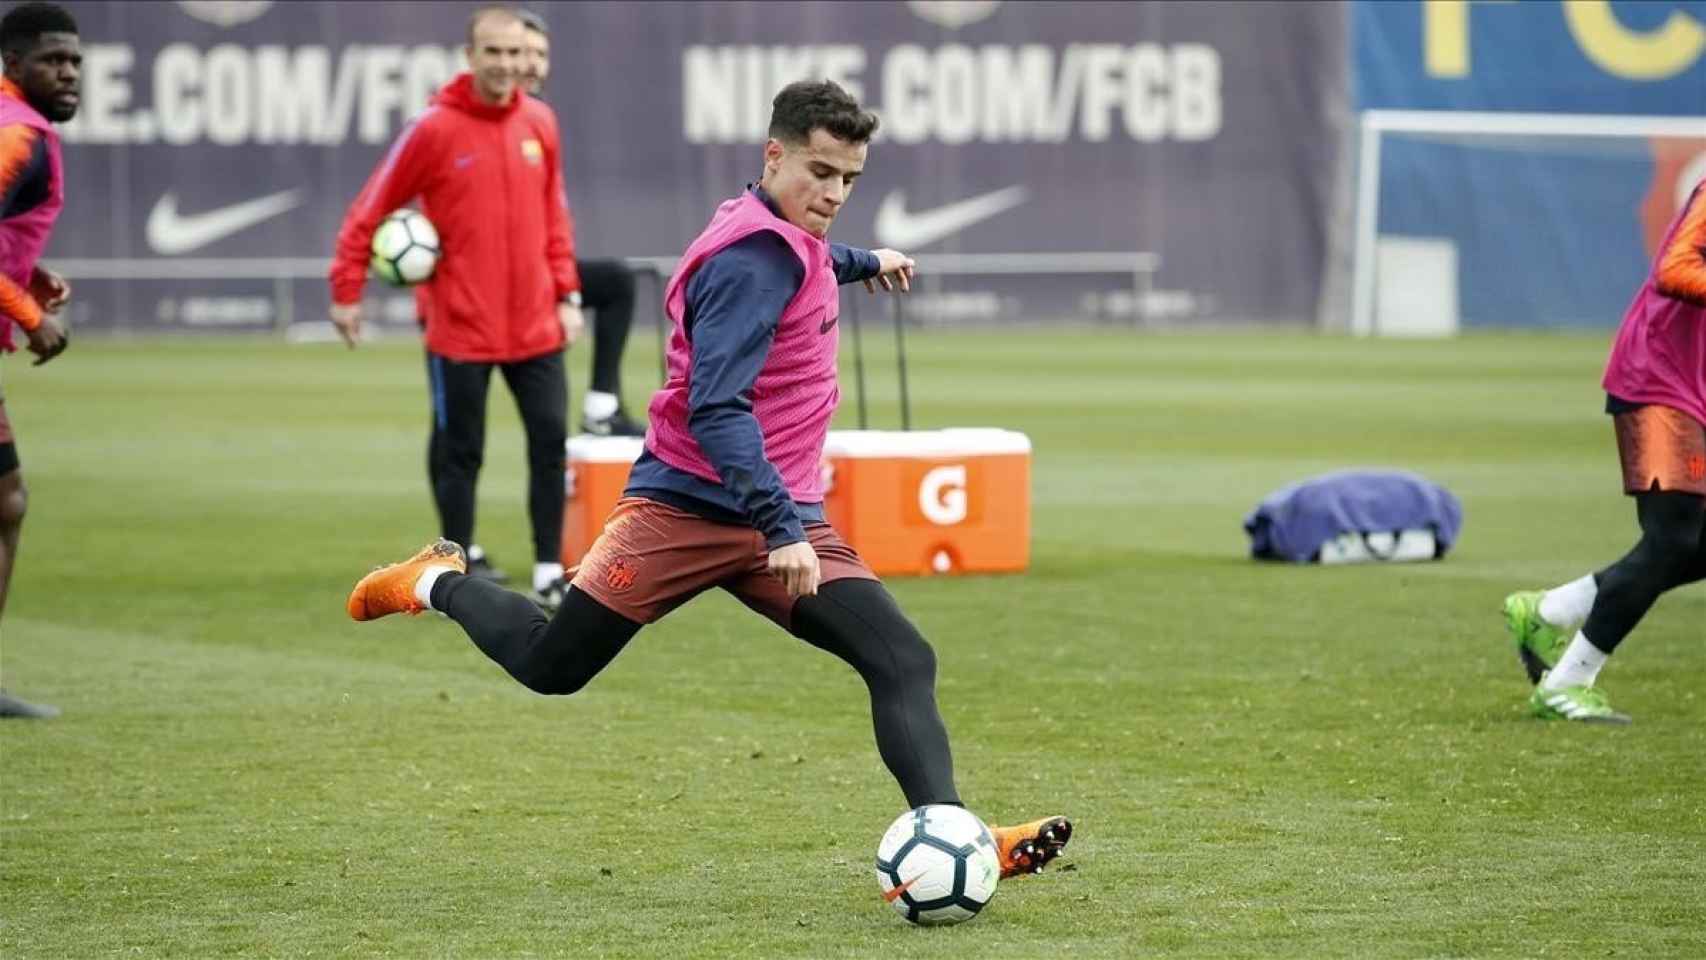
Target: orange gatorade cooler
column 911, row 502
column 593, row 480
column 932, row 501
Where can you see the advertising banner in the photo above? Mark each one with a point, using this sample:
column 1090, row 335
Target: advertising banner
column 1158, row 162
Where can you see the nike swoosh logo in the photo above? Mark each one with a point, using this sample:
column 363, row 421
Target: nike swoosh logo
column 170, row 233
column 897, row 228
column 827, row 325
column 893, row 895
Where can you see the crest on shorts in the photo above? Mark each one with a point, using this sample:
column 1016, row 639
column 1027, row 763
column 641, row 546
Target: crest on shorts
column 1697, row 467
column 620, row 573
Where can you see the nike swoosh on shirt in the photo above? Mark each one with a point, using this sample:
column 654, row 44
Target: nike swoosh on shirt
column 895, row 227
column 170, row 232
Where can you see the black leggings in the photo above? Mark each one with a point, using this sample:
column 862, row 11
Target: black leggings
column 1670, row 553
column 857, row 620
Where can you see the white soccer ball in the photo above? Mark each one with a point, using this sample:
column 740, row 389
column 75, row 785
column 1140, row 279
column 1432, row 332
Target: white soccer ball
column 405, row 248
column 937, row 864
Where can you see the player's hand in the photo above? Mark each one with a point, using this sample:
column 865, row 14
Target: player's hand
column 796, row 566
column 48, row 339
column 573, row 321
column 49, row 289
column 894, row 269
column 347, row 318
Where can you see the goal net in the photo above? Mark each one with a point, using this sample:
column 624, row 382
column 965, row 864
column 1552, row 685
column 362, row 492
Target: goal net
column 1468, row 220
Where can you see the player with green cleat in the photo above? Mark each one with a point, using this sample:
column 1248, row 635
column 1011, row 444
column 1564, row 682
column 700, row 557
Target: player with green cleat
column 1541, row 643
column 1538, row 644
column 1655, row 386
column 1581, row 702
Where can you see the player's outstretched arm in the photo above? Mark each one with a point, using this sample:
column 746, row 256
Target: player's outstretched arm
column 894, row 269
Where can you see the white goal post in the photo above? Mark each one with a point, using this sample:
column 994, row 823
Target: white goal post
column 1376, row 124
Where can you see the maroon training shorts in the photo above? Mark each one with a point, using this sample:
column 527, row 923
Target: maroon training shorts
column 1662, row 448
column 652, row 558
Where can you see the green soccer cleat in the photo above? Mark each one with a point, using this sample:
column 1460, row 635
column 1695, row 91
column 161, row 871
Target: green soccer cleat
column 1538, row 643
column 1581, row 703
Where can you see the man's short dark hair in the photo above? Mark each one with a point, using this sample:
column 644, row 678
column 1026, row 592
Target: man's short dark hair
column 807, row 105
column 24, row 24
column 532, row 21
column 485, row 10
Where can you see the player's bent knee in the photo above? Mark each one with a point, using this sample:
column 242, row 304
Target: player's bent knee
column 915, row 661
column 553, row 684
column 551, row 673
column 13, row 504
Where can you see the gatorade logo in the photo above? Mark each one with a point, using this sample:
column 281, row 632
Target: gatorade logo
column 942, row 495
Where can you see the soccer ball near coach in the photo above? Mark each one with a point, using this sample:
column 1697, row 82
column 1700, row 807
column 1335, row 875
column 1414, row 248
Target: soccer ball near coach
column 405, row 248
column 937, row 865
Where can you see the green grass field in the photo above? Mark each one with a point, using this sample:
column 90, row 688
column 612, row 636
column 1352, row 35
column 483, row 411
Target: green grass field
column 1262, row 761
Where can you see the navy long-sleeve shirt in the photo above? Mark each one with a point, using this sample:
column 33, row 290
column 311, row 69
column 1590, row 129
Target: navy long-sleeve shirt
column 734, row 302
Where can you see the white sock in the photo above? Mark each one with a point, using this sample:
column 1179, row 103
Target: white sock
column 1568, row 606
column 1579, row 666
column 599, row 405
column 475, row 553
column 544, row 574
column 423, row 585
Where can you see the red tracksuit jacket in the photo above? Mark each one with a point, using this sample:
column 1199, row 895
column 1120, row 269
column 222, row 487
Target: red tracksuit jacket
column 490, row 180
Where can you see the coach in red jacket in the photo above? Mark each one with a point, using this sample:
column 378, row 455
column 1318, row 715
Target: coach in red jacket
column 483, row 159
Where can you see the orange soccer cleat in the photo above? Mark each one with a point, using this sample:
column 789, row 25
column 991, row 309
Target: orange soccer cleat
column 391, row 589
column 1029, row 847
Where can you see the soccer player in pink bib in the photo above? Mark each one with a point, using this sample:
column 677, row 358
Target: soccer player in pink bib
column 42, row 86
column 1655, row 387
column 728, row 491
